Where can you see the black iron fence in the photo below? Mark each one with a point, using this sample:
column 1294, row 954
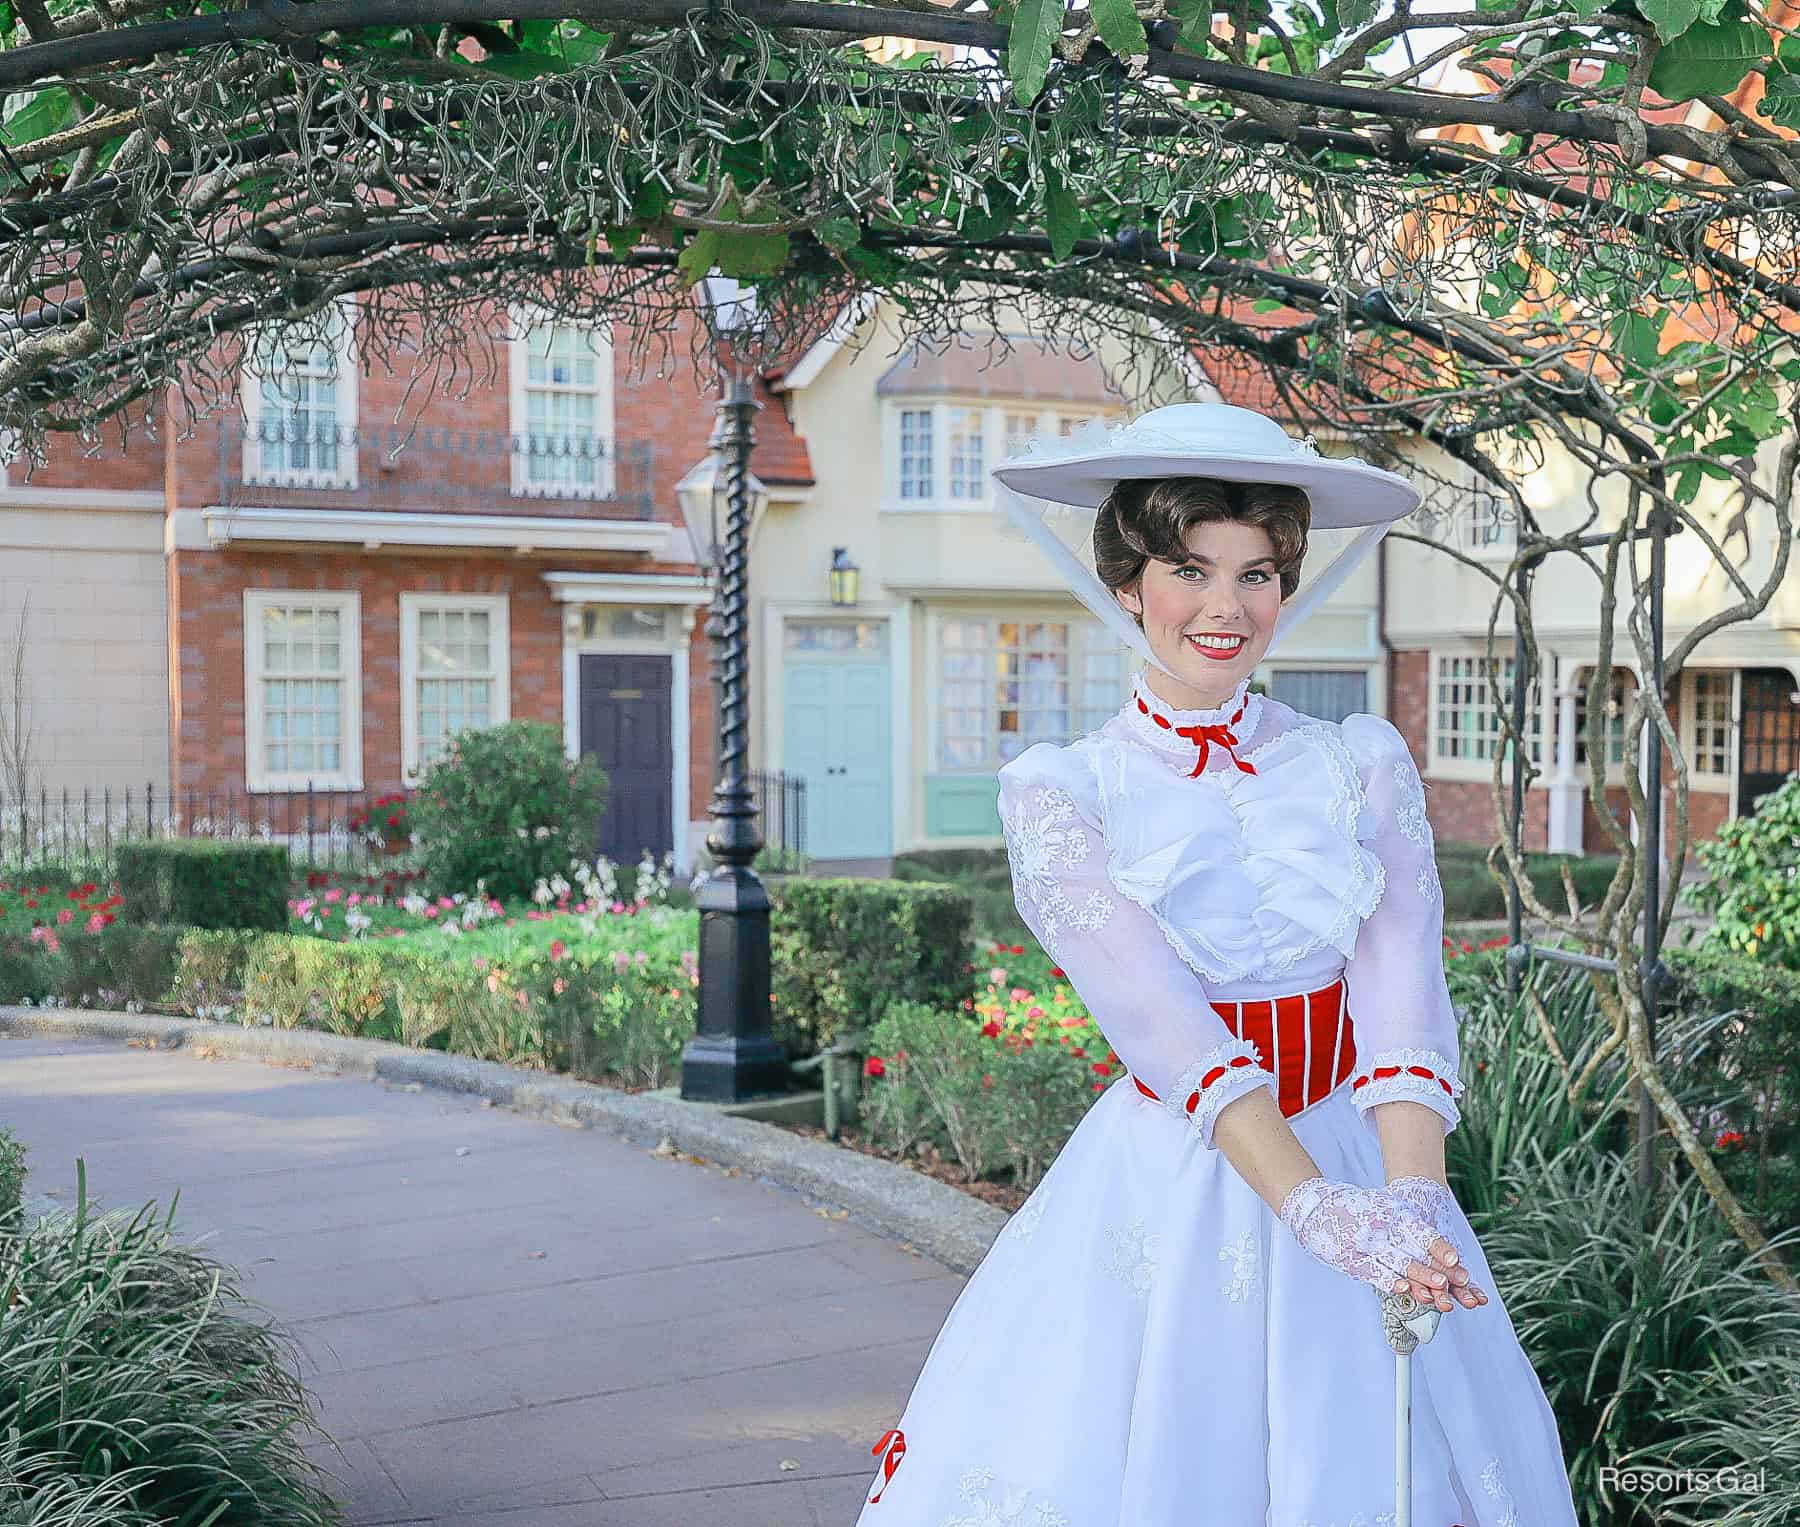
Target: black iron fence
column 781, row 815
column 326, row 830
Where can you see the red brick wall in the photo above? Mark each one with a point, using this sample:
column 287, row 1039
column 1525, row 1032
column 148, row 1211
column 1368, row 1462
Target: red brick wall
column 207, row 626
column 104, row 464
column 1461, row 811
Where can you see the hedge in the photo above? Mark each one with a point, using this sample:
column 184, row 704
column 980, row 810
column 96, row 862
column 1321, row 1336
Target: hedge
column 206, row 882
column 843, row 950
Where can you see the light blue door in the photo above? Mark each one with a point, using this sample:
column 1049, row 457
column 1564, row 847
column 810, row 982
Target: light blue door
column 836, row 736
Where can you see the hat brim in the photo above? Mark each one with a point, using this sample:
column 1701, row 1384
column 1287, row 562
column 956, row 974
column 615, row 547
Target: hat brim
column 1343, row 494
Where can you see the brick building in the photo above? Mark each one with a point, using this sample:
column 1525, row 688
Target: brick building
column 349, row 576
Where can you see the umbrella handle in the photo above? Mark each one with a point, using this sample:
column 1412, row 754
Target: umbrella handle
column 1405, row 1322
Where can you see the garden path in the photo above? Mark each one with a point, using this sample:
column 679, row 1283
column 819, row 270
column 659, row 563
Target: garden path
column 505, row 1321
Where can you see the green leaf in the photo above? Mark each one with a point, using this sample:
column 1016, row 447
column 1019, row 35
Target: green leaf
column 519, row 66
column 1117, row 23
column 1637, row 336
column 752, row 254
column 1062, row 215
column 1670, row 17
column 1781, row 101
column 1028, row 44
column 32, row 115
column 696, row 261
column 1708, row 60
column 839, row 233
column 1353, row 15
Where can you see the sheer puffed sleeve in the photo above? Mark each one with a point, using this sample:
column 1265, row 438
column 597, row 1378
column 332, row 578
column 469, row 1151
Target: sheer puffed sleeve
column 1406, row 1040
column 1152, row 1007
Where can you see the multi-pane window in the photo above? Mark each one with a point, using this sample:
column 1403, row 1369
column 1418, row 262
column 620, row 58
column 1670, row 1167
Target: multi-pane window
column 1006, row 684
column 300, row 407
column 304, row 691
column 454, row 662
column 563, row 413
column 1468, row 727
column 1708, row 716
column 916, row 474
column 968, row 459
column 942, row 452
column 1618, row 702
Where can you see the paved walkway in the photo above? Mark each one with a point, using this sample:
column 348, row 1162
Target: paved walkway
column 505, row 1321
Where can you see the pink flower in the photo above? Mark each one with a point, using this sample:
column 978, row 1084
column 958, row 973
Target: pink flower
column 493, row 983
column 446, row 903
column 65, row 916
column 1020, row 994
column 355, row 899
column 640, row 958
column 997, row 976
column 522, row 999
column 479, row 962
column 618, row 906
column 559, row 986
column 620, row 959
column 431, row 911
column 333, row 895
column 1036, row 1012
column 96, row 922
column 557, row 949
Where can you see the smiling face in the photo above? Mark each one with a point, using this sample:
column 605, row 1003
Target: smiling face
column 1229, row 587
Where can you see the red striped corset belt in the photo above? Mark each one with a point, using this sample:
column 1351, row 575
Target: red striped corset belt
column 1307, row 1040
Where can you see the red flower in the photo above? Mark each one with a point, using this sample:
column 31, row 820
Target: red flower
column 557, row 949
column 1058, row 973
column 1728, row 1139
column 394, row 821
column 874, row 1066
column 1099, row 1086
column 30, row 901
column 1079, row 1053
column 987, row 1081
column 991, row 1028
column 1102, row 1069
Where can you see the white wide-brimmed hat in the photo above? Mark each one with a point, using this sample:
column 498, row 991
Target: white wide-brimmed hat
column 1041, row 489
column 1209, row 440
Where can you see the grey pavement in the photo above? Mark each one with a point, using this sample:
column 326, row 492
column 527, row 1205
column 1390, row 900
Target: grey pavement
column 502, row 1319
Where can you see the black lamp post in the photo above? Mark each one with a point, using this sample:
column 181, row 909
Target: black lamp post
column 733, row 1054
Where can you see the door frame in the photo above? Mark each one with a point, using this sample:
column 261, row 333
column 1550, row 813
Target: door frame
column 685, row 596
column 898, row 619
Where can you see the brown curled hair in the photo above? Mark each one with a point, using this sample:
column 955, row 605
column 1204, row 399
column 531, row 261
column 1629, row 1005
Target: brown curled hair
column 1151, row 517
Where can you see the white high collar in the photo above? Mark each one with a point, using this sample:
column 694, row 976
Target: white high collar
column 1142, row 710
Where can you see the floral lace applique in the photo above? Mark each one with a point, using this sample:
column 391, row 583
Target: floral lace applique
column 1040, row 841
column 1014, row 1508
column 1131, row 1257
column 1361, row 1519
column 1493, row 1482
column 1243, row 1255
column 1023, row 1225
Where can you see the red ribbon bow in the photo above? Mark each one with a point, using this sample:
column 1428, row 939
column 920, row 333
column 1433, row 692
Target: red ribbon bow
column 1203, row 737
column 891, row 1461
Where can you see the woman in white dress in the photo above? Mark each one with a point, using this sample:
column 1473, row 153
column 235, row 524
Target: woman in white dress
column 1182, row 1324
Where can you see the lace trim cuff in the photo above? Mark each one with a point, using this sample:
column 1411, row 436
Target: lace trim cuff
column 1222, row 1075
column 1412, row 1076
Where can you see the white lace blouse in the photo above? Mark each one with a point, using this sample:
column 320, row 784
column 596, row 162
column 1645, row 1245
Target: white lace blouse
column 1176, row 858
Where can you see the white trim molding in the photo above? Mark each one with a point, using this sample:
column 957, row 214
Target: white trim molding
column 349, row 675
column 24, row 495
column 412, row 605
column 220, row 526
column 682, row 592
column 851, row 317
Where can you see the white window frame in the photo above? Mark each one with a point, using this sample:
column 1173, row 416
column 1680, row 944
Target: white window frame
column 1536, row 729
column 257, row 602
column 994, row 414
column 1698, row 776
column 497, row 608
column 1483, row 505
column 524, row 323
column 1085, row 633
column 340, row 334
column 1624, row 682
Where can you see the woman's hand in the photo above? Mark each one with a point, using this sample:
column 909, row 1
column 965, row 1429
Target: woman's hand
column 1445, row 1278
column 1374, row 1236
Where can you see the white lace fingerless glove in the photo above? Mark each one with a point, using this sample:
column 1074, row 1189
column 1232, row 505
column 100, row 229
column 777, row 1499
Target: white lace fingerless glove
column 1433, row 1202
column 1367, row 1233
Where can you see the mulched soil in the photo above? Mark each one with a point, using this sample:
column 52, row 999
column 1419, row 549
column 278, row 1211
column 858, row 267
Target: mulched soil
column 933, row 1164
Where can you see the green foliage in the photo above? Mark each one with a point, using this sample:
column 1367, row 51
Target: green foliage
column 1471, row 893
column 28, row 973
column 205, row 882
column 506, row 806
column 843, row 949
column 1036, row 24
column 1753, row 889
column 209, row 973
column 138, row 1385
column 12, row 1181
column 122, row 963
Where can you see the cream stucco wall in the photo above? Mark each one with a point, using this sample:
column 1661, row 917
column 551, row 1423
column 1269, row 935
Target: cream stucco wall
column 920, row 565
column 91, row 582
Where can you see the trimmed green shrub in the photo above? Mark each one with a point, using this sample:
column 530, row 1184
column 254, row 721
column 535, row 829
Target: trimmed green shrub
column 125, row 962
column 507, row 807
column 28, row 972
column 843, row 950
column 293, row 982
column 1754, row 891
column 1471, row 893
column 205, row 882
column 209, row 973
column 12, row 1179
column 138, row 1386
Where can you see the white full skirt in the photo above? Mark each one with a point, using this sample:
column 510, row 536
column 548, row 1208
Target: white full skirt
column 1146, row 1345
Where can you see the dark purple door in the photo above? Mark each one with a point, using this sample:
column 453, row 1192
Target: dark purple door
column 625, row 716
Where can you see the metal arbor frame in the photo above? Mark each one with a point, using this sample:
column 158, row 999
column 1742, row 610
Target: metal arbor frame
column 1654, row 975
